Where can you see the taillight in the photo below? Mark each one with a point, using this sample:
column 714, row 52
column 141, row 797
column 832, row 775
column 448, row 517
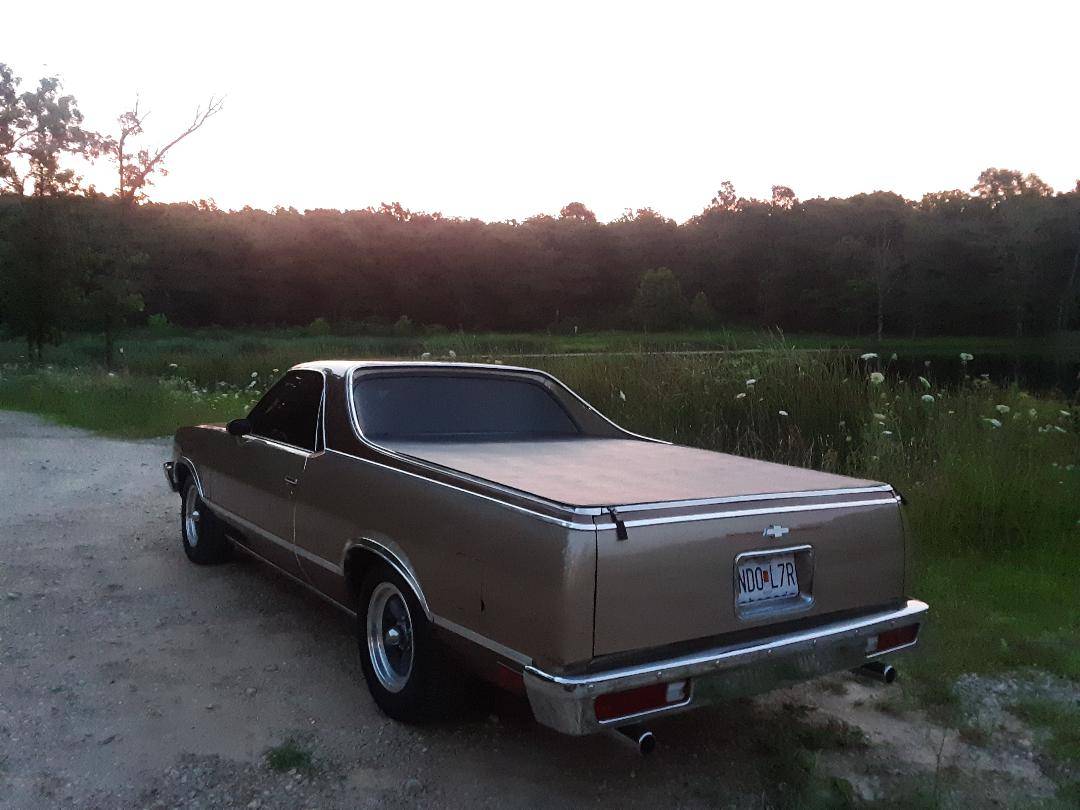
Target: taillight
column 891, row 639
column 643, row 699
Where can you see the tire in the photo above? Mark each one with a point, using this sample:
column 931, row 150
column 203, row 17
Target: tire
column 202, row 534
column 405, row 669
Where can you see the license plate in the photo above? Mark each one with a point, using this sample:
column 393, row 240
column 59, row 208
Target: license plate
column 762, row 578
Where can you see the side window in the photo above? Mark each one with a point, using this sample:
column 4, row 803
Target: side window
column 289, row 412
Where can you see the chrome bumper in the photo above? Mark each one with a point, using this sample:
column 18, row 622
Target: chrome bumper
column 169, row 468
column 565, row 703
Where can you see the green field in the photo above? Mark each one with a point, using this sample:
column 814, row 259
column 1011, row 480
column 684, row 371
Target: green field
column 990, row 471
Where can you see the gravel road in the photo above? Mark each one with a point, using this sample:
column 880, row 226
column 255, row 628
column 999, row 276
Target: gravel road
column 131, row 678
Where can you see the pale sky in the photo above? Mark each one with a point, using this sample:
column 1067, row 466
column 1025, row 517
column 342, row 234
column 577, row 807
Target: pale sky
column 507, row 109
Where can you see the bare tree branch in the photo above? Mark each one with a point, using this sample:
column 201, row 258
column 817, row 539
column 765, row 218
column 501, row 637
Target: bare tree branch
column 135, row 176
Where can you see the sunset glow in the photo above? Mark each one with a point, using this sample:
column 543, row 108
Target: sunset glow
column 503, row 110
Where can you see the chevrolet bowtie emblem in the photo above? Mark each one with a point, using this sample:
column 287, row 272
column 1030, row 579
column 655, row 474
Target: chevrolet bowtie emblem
column 776, row 530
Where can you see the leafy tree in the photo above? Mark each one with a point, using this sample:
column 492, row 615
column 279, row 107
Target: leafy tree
column 110, row 291
column 659, row 303
column 578, row 211
column 38, row 128
column 701, row 312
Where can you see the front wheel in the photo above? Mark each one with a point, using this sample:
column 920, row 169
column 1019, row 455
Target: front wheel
column 405, row 671
column 203, row 534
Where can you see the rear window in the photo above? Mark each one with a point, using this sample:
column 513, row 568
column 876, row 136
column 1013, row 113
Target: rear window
column 463, row 407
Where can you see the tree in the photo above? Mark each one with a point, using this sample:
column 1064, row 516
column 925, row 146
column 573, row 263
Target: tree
column 701, row 312
column 659, row 303
column 578, row 211
column 997, row 185
column 37, row 295
column 784, row 198
column 38, row 129
column 134, row 170
column 110, row 291
column 885, row 263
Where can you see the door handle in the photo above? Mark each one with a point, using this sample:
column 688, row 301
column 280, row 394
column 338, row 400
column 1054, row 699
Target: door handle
column 292, row 482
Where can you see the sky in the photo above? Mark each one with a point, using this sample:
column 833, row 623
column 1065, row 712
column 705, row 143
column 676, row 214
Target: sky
column 508, row 109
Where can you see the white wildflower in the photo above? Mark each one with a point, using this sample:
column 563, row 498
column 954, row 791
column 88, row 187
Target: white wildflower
column 893, row 357
column 1034, row 414
column 877, row 378
column 927, row 397
column 966, row 358
column 1059, row 429
column 1065, row 413
column 886, row 433
column 783, row 413
column 751, row 381
column 173, row 365
column 868, row 356
column 993, row 422
column 622, row 396
column 741, row 395
column 925, row 382
column 1002, row 409
column 425, row 356
column 880, row 417
column 452, row 354
column 273, row 371
column 254, row 374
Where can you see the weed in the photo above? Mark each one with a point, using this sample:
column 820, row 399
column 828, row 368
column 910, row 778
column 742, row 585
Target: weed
column 289, row 756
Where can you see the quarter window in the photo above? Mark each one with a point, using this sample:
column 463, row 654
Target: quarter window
column 289, row 411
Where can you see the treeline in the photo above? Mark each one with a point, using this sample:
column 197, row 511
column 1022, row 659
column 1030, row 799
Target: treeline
column 1002, row 258
column 1002, row 261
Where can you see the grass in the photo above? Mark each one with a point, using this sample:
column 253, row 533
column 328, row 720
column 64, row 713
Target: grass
column 1060, row 724
column 288, row 756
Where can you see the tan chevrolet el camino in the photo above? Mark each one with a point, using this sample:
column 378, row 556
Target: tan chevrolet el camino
column 487, row 515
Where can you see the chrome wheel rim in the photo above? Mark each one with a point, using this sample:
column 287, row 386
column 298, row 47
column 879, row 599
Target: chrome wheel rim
column 191, row 517
column 390, row 636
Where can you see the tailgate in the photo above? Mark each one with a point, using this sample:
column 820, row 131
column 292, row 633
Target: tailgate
column 676, row 576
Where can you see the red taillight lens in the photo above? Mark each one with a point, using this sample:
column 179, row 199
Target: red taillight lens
column 891, row 639
column 642, row 699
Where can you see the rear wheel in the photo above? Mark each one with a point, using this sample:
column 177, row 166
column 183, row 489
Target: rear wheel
column 405, row 671
column 203, row 534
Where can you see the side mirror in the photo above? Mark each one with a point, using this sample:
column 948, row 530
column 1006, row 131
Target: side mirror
column 239, row 427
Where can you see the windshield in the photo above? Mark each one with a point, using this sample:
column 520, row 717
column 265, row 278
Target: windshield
column 454, row 408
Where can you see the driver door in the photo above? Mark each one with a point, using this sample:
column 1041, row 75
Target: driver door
column 257, row 483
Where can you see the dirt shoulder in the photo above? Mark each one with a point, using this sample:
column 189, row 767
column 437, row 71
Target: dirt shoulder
column 131, row 678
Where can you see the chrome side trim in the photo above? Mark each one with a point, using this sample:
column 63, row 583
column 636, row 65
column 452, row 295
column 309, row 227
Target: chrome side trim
column 395, row 561
column 775, row 510
column 187, row 462
column 247, row 526
column 483, row 641
column 294, row 578
column 521, row 509
column 766, row 496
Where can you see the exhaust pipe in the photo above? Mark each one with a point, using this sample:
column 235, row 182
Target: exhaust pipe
column 636, row 737
column 878, row 670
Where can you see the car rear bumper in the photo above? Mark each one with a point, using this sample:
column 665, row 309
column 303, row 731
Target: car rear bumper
column 567, row 703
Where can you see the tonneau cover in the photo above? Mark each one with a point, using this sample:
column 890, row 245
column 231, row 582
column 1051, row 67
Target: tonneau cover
column 595, row 472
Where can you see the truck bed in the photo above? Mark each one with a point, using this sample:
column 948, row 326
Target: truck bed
column 599, row 472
